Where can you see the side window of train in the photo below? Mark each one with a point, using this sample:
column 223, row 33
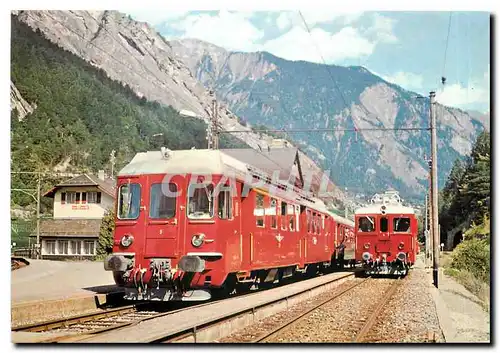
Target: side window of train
column 309, row 221
column 224, row 207
column 129, row 201
column 297, row 218
column 401, row 225
column 291, row 217
column 314, row 224
column 200, row 201
column 283, row 215
column 259, row 209
column 162, row 203
column 273, row 213
column 384, row 224
column 366, row 224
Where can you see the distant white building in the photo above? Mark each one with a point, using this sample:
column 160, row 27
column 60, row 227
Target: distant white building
column 79, row 206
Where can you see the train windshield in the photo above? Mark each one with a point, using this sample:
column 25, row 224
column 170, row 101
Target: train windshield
column 366, row 224
column 401, row 225
column 201, row 201
column 162, row 203
column 129, row 199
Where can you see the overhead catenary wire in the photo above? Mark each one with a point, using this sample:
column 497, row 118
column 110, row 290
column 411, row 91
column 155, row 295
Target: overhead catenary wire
column 443, row 77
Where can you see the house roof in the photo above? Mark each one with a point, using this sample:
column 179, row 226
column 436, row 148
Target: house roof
column 70, row 227
column 107, row 186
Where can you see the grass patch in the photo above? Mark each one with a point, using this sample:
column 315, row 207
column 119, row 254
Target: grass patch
column 473, row 284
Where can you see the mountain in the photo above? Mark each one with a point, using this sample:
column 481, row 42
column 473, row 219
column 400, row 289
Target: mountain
column 267, row 90
column 67, row 116
column 96, row 81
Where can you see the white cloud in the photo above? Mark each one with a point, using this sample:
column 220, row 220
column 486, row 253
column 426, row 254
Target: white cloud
column 407, row 80
column 230, row 30
column 477, row 92
column 314, row 17
column 296, row 44
column 155, row 17
column 382, row 29
column 283, row 21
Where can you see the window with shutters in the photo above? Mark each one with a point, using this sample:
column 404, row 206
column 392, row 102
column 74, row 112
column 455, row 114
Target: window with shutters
column 92, row 197
column 63, row 247
column 89, row 248
column 71, row 197
column 76, row 247
column 50, row 247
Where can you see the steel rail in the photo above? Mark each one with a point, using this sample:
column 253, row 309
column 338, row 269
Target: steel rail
column 280, row 328
column 192, row 331
column 370, row 323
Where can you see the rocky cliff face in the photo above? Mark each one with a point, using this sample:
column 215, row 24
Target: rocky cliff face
column 135, row 54
column 18, row 103
column 278, row 93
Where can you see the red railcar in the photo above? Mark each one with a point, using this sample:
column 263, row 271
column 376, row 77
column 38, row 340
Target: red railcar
column 193, row 222
column 386, row 235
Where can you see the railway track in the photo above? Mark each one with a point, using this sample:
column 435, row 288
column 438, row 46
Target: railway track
column 95, row 325
column 78, row 327
column 344, row 322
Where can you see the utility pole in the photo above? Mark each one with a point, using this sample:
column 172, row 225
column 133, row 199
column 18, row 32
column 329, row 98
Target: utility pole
column 112, row 159
column 434, row 197
column 426, row 230
column 38, row 247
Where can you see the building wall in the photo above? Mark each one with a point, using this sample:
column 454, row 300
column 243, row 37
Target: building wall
column 81, row 210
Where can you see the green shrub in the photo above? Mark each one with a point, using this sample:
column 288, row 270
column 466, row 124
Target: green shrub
column 105, row 243
column 473, row 256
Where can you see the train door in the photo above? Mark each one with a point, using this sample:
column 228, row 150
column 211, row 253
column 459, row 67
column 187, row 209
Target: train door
column 383, row 244
column 247, row 221
column 130, row 212
column 165, row 216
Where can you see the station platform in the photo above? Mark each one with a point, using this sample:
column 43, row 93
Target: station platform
column 53, row 289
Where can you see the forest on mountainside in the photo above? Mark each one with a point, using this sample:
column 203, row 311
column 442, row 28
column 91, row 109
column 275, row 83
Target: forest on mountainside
column 464, row 204
column 82, row 115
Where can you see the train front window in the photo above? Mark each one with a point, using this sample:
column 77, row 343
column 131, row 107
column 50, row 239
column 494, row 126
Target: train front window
column 366, row 224
column 401, row 225
column 384, row 224
column 129, row 201
column 201, row 201
column 162, row 205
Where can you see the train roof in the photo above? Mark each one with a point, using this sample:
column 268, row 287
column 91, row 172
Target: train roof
column 340, row 219
column 390, row 209
column 205, row 162
column 182, row 162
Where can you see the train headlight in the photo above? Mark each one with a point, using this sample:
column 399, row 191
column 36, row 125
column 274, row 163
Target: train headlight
column 366, row 256
column 401, row 246
column 366, row 246
column 127, row 240
column 197, row 240
column 402, row 256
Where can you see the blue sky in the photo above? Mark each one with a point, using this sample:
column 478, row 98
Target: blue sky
column 407, row 48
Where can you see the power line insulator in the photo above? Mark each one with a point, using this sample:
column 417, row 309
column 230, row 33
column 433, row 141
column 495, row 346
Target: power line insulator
column 443, row 80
